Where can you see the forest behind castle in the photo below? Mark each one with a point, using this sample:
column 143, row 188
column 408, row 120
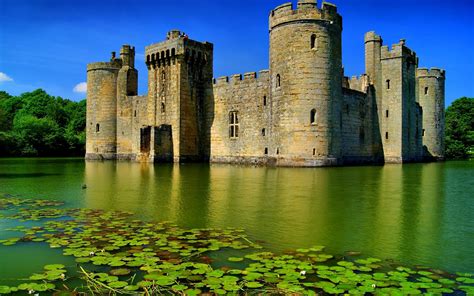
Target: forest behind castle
column 38, row 124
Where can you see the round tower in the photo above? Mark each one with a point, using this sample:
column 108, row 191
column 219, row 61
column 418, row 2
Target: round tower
column 101, row 131
column 430, row 84
column 306, row 83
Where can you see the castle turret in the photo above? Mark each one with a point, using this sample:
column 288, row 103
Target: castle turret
column 373, row 68
column 127, row 86
column 306, row 79
column 101, row 131
column 430, row 95
column 397, row 107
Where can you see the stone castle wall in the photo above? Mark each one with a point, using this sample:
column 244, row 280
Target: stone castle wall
column 300, row 112
column 249, row 97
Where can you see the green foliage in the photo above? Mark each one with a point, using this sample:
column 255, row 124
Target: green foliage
column 460, row 128
column 37, row 124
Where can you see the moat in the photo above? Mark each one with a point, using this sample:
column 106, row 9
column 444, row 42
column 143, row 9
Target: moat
column 417, row 214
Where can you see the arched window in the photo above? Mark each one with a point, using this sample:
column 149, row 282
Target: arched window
column 312, row 118
column 263, row 132
column 97, row 128
column 426, row 90
column 264, row 100
column 386, row 113
column 386, row 135
column 278, row 80
column 388, row 83
column 313, row 41
column 135, row 113
column 314, row 151
column 266, row 151
column 278, row 151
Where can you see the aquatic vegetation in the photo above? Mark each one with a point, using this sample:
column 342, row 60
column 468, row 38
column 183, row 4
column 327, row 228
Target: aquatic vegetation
column 118, row 254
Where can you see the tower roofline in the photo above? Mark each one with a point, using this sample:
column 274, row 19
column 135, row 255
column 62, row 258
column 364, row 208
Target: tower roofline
column 306, row 10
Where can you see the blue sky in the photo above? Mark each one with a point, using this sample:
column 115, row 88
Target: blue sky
column 48, row 43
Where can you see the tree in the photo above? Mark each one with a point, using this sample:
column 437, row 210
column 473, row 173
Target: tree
column 460, row 128
column 37, row 124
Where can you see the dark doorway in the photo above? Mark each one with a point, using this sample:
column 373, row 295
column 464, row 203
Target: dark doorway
column 145, row 137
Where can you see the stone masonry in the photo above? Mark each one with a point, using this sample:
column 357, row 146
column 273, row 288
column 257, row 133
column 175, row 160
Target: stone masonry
column 302, row 112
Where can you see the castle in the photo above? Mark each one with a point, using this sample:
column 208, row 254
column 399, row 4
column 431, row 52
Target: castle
column 300, row 112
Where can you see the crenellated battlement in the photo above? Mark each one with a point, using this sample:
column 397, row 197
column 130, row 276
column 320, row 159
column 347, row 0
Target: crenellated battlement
column 397, row 50
column 248, row 77
column 306, row 11
column 433, row 72
column 177, row 45
column 116, row 64
column 372, row 36
column 358, row 83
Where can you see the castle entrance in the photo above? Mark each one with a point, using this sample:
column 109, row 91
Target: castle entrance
column 145, row 139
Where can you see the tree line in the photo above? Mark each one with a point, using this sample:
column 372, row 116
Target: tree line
column 460, row 129
column 37, row 124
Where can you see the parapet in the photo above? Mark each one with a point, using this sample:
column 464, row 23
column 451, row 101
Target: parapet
column 372, row 36
column 433, row 72
column 358, row 83
column 114, row 65
column 305, row 10
column 398, row 50
column 248, row 77
column 177, row 45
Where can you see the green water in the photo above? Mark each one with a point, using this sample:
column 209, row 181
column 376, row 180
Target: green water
column 417, row 214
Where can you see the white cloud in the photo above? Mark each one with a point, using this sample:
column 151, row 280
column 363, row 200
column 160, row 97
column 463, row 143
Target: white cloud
column 80, row 87
column 4, row 77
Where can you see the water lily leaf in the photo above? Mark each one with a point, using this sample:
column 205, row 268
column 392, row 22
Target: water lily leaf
column 131, row 288
column 235, row 259
column 253, row 285
column 465, row 280
column 120, row 271
column 179, row 287
column 118, row 284
column 5, row 290
column 53, row 266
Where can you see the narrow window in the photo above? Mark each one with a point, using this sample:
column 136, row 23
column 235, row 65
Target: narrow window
column 135, row 113
column 97, row 128
column 278, row 80
column 388, row 83
column 386, row 113
column 313, row 116
column 314, row 151
column 386, row 136
column 426, row 90
column 278, row 151
column 347, row 109
column 163, row 110
column 423, row 133
column 263, row 132
column 361, row 134
column 233, row 124
column 266, row 151
column 313, row 41
column 264, row 100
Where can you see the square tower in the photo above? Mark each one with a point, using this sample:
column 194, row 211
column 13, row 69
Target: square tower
column 180, row 100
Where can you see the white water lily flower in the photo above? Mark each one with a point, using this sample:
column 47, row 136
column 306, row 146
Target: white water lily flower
column 303, row 272
column 31, row 291
column 91, row 253
column 373, row 286
column 62, row 276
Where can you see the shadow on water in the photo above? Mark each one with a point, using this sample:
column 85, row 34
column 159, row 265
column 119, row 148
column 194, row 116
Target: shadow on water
column 25, row 175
